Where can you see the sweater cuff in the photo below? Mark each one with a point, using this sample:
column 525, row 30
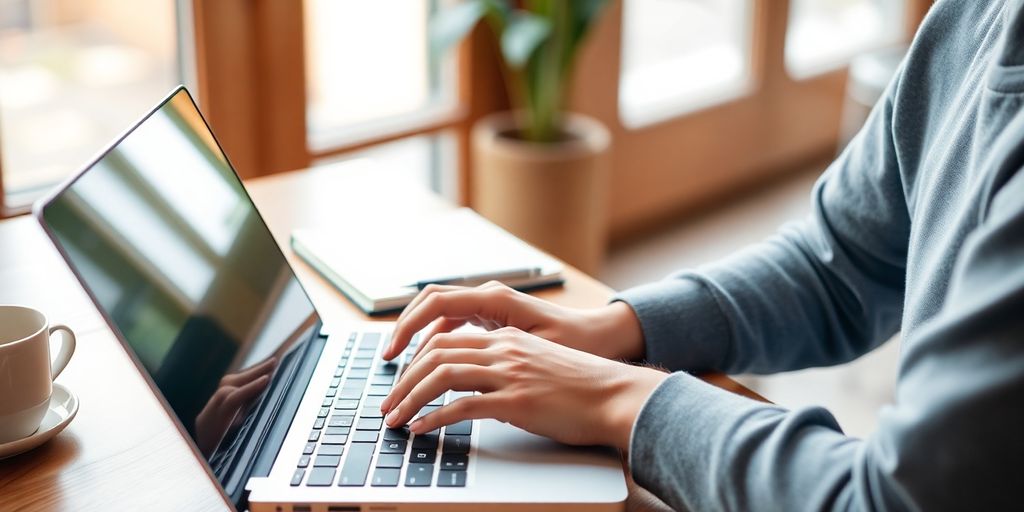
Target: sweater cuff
column 682, row 324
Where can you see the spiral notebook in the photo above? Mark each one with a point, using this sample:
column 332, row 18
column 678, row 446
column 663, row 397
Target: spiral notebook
column 378, row 267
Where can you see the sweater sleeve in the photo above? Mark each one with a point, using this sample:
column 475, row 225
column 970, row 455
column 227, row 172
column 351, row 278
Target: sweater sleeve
column 951, row 442
column 820, row 292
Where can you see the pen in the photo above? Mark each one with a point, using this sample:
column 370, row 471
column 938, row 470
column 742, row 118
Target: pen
column 474, row 279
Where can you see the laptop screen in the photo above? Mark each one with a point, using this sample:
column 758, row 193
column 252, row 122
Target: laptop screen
column 161, row 232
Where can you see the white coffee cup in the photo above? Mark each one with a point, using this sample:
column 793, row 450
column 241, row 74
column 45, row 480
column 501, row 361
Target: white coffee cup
column 26, row 370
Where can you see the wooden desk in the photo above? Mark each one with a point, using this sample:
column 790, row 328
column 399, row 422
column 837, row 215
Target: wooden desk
column 122, row 451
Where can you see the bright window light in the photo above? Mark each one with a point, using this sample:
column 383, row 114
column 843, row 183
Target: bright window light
column 825, row 34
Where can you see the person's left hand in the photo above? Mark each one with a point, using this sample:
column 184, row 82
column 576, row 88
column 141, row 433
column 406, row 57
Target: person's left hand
column 538, row 385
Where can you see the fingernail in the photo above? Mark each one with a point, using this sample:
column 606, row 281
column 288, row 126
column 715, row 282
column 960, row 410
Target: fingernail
column 416, row 426
column 384, row 405
column 392, row 418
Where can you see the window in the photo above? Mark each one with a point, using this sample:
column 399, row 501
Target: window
column 73, row 75
column 681, row 55
column 369, row 70
column 825, row 34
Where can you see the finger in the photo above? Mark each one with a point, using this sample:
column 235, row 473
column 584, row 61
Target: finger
column 443, row 325
column 468, row 352
column 462, row 303
column 402, row 335
column 241, row 396
column 490, row 405
column 452, row 340
column 458, row 377
column 249, row 374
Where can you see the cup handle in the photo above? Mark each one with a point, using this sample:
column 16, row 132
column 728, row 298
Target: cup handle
column 67, row 347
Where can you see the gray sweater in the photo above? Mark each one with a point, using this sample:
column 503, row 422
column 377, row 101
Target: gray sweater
column 919, row 226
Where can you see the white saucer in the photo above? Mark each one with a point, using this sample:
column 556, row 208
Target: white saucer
column 63, row 407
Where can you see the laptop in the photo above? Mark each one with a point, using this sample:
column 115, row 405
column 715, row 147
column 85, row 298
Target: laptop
column 280, row 404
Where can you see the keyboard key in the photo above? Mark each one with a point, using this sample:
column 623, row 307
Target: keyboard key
column 335, row 382
column 369, row 424
column 390, row 460
column 387, row 369
column 385, row 477
column 426, row 441
column 341, row 420
column 314, row 435
column 337, row 431
column 451, row 479
column 319, row 423
column 350, row 394
column 346, row 404
column 421, row 455
column 365, row 436
column 395, row 434
column 462, row 428
column 373, row 401
column 354, row 383
column 396, row 446
column 331, row 393
column 331, row 449
column 366, row 352
column 323, row 412
column 371, row 412
column 419, row 475
column 320, row 477
column 297, row 476
column 340, row 370
column 378, row 391
column 427, row 409
column 308, row 449
column 357, row 465
column 359, row 373
column 362, row 362
column 370, row 339
column 329, row 439
column 352, row 337
column 382, row 380
column 328, row 461
column 327, row 402
column 437, row 402
column 304, row 461
column 454, row 461
column 455, row 444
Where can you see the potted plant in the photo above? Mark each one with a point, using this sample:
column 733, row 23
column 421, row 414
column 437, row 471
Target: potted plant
column 540, row 172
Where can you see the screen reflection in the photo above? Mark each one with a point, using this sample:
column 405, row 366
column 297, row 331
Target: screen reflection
column 162, row 233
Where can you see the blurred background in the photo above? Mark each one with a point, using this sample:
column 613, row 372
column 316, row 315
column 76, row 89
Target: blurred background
column 722, row 113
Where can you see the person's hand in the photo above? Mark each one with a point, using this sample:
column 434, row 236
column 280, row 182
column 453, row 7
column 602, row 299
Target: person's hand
column 540, row 386
column 612, row 331
column 235, row 392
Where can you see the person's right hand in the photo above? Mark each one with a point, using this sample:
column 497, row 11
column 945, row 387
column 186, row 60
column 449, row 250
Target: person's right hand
column 611, row 331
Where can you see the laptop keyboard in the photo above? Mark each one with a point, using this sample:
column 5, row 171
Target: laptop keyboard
column 349, row 445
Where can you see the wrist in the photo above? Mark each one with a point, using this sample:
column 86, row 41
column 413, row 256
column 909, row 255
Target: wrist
column 630, row 391
column 618, row 332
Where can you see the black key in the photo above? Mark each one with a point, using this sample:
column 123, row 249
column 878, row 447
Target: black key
column 346, row 404
column 327, row 461
column 455, row 444
column 370, row 339
column 341, row 420
column 329, row 439
column 369, row 424
column 332, row 449
column 451, row 479
column 308, row 449
column 321, row 477
column 387, row 369
column 396, row 446
column 378, row 391
column 419, row 475
column 319, row 423
column 297, row 476
column 354, row 383
column 331, row 393
column 421, row 455
column 454, row 461
column 437, row 402
column 358, row 373
column 389, row 460
column 396, row 434
column 323, row 412
column 303, row 461
column 373, row 401
column 362, row 362
column 371, row 412
column 350, row 394
column 365, row 436
column 426, row 441
column 353, row 473
column 382, row 380
column 385, row 477
column 337, row 431
column 327, row 402
column 314, row 435
column 462, row 428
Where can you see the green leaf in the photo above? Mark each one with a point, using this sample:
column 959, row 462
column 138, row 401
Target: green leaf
column 449, row 26
column 524, row 33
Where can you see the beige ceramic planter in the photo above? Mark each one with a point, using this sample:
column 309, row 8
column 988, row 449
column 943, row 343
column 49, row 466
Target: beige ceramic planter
column 552, row 195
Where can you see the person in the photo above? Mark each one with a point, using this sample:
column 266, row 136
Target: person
column 917, row 226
